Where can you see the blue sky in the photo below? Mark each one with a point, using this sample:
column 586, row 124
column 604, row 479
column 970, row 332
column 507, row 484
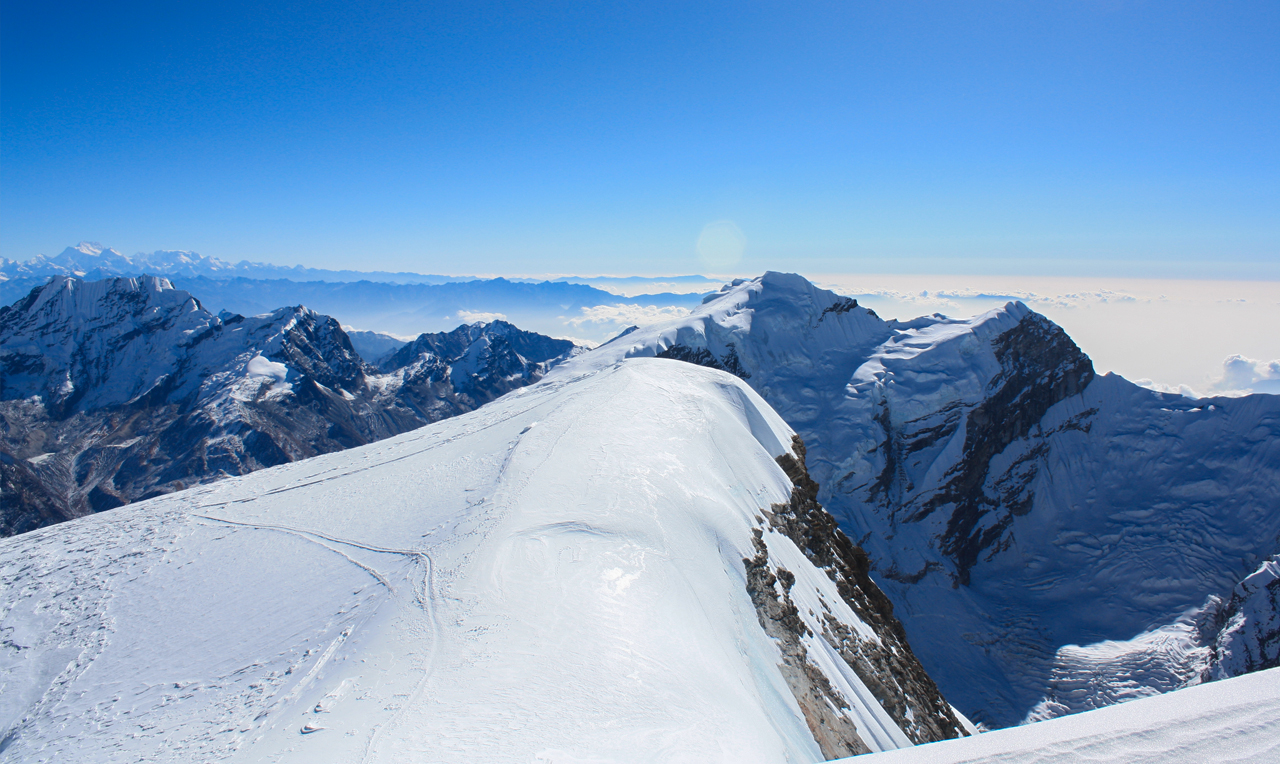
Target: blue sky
column 1042, row 138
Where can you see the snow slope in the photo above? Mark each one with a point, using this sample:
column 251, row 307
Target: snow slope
column 583, row 570
column 1233, row 720
column 1050, row 538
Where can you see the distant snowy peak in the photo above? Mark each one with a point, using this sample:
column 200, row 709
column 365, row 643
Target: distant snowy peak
column 94, row 260
column 91, row 260
column 775, row 327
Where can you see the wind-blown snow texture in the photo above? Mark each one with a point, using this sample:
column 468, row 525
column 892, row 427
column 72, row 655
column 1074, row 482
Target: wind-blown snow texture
column 1050, row 538
column 571, row 573
column 126, row 388
column 1229, row 721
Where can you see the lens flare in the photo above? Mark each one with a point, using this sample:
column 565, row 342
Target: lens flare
column 720, row 245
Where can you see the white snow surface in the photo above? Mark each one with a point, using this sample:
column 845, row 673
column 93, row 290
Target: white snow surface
column 1232, row 720
column 555, row 577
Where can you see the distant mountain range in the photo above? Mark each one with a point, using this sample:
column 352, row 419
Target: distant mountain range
column 91, row 261
column 399, row 303
column 125, row 388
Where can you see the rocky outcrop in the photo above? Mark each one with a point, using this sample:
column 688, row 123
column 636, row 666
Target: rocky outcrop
column 1248, row 625
column 728, row 361
column 837, row 736
column 885, row 665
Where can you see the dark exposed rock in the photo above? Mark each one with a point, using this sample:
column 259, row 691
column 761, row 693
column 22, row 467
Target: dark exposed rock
column 1040, row 366
column 888, row 668
column 836, row 735
column 26, row 503
column 702, row 357
column 842, row 305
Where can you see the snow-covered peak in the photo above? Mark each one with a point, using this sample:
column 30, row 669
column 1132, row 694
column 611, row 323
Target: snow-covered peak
column 1054, row 518
column 97, row 261
column 89, row 256
column 90, row 248
column 84, row 345
column 777, row 326
column 69, row 340
column 179, row 262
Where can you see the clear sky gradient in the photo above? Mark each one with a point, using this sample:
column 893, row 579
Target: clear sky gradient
column 1113, row 138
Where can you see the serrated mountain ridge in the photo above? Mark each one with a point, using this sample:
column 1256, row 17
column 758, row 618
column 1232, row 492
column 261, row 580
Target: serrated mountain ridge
column 126, row 388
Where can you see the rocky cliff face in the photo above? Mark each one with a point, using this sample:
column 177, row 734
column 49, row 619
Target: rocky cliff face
column 1247, row 625
column 885, row 664
column 122, row 389
column 1039, row 366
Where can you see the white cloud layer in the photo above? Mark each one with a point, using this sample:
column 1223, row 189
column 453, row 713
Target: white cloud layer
column 1241, row 374
column 1163, row 388
column 1173, row 334
column 627, row 315
column 471, row 317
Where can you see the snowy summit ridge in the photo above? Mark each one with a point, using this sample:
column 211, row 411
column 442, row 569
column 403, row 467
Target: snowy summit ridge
column 558, row 575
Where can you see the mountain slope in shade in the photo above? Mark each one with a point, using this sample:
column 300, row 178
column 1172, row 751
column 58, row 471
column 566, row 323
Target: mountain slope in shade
column 1049, row 537
column 613, row 564
column 120, row 389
